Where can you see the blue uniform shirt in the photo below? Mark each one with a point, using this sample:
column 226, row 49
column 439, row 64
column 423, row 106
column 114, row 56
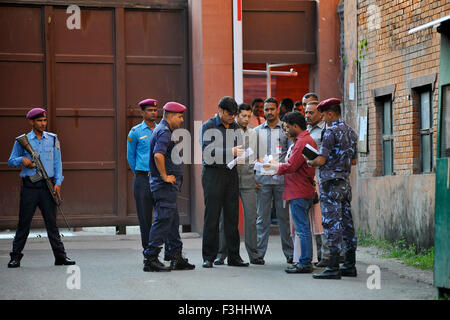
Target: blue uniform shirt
column 50, row 153
column 339, row 147
column 138, row 146
column 161, row 142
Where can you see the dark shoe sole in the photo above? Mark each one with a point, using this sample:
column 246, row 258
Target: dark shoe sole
column 219, row 263
column 207, row 265
column 238, row 265
column 349, row 273
column 183, row 268
column 65, row 263
column 332, row 277
column 148, row 269
column 14, row 266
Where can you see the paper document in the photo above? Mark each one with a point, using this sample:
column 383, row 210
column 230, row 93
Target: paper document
column 247, row 153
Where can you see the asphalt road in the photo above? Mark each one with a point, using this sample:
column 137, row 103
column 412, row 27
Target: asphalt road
column 110, row 267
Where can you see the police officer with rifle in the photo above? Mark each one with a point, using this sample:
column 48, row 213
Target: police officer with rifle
column 39, row 154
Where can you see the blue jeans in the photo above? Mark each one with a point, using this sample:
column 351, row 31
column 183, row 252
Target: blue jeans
column 300, row 216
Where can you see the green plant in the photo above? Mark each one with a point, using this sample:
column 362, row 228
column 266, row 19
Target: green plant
column 409, row 254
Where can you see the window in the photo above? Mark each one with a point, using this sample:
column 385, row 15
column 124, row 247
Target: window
column 387, row 137
column 445, row 123
column 426, row 132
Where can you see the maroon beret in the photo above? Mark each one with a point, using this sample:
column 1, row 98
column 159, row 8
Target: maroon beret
column 325, row 104
column 174, row 107
column 36, row 112
column 148, row 102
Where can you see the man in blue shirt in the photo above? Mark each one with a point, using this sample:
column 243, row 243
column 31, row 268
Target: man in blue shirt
column 36, row 194
column 165, row 183
column 138, row 154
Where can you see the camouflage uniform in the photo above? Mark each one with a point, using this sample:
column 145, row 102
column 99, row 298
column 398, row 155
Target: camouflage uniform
column 339, row 147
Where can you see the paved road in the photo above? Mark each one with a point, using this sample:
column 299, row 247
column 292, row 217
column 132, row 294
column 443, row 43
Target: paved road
column 111, row 268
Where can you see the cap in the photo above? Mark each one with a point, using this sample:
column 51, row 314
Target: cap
column 148, row 102
column 325, row 104
column 36, row 112
column 174, row 107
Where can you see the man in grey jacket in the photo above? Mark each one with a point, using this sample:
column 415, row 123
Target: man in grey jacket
column 247, row 188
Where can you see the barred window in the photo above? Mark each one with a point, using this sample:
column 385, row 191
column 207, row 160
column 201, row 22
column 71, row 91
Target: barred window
column 426, row 131
column 387, row 137
column 445, row 123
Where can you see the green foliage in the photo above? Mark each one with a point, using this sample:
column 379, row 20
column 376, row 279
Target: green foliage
column 409, row 254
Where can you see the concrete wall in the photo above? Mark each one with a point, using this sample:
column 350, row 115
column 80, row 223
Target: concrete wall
column 211, row 33
column 325, row 76
column 397, row 207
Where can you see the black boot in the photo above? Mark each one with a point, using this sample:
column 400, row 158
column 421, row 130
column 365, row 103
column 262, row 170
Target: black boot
column 331, row 271
column 152, row 263
column 322, row 263
column 15, row 260
column 348, row 269
column 180, row 263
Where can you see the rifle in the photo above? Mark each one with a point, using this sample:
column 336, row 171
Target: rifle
column 40, row 172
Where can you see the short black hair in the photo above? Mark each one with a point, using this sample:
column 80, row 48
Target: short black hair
column 297, row 103
column 228, row 103
column 288, row 103
column 271, row 100
column 312, row 102
column 244, row 106
column 256, row 100
column 310, row 94
column 336, row 108
column 295, row 118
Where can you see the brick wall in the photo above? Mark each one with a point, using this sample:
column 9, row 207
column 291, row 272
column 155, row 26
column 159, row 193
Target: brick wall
column 394, row 57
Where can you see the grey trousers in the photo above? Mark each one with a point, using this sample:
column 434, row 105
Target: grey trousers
column 248, row 199
column 264, row 200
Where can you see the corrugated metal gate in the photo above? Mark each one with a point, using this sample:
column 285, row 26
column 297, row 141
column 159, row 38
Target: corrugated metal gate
column 90, row 80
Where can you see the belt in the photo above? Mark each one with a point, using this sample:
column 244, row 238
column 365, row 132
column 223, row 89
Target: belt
column 144, row 173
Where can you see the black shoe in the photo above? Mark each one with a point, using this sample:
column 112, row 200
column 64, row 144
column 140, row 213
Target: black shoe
column 154, row 265
column 289, row 260
column 167, row 257
column 64, row 262
column 259, row 261
column 299, row 269
column 322, row 263
column 219, row 261
column 348, row 269
column 331, row 271
column 207, row 264
column 181, row 263
column 237, row 263
column 15, row 260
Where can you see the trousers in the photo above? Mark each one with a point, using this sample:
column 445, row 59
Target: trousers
column 221, row 192
column 165, row 227
column 337, row 221
column 32, row 196
column 144, row 206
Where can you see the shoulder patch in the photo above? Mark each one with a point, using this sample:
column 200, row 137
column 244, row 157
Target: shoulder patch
column 130, row 139
column 57, row 144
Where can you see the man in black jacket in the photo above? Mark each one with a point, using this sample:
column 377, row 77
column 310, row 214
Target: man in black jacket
column 221, row 184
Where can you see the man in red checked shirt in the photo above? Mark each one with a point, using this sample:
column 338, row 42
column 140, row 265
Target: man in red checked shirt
column 299, row 188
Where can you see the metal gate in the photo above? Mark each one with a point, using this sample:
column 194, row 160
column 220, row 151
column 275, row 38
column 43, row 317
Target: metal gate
column 90, row 81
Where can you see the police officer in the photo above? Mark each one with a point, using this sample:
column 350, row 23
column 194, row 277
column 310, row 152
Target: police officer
column 337, row 155
column 138, row 154
column 36, row 194
column 166, row 179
